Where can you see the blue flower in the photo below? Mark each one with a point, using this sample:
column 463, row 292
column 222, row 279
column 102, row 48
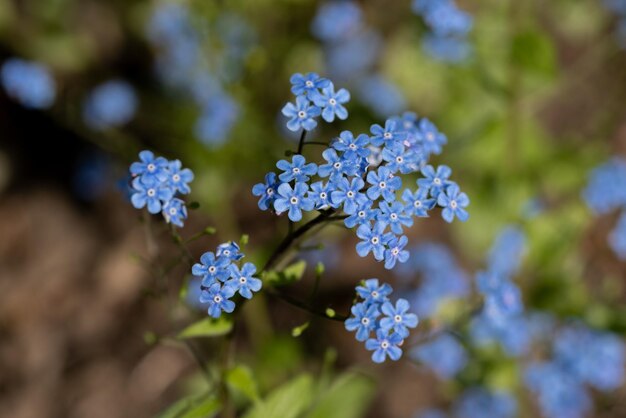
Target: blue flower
column 380, row 95
column 267, row 191
column 331, row 103
column 363, row 320
column 445, row 355
column 297, row 170
column 110, row 104
column 243, row 280
column 305, row 85
column 418, row 203
column 293, row 200
column 399, row 159
column 617, row 238
column 352, row 148
column 398, row 318
column 389, row 135
column 503, row 301
column 349, row 194
column 372, row 292
column 229, row 250
column 432, row 140
column 480, row 403
column 175, row 212
column 447, row 49
column 395, row 252
column 154, row 196
column 435, row 181
column 506, row 253
column 320, row 193
column 454, row 203
column 336, row 166
column 384, row 346
column 336, row 20
column 363, row 215
column 30, row 83
column 211, row 269
column 151, row 170
column 394, row 216
column 383, row 183
column 606, row 190
column 218, row 298
column 301, row 114
column 179, row 177
column 373, row 240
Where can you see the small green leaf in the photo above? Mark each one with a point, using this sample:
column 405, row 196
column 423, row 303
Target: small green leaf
column 297, row 331
column 150, row 338
column 240, row 378
column 290, row 274
column 193, row 205
column 208, row 327
column 194, row 406
column 287, row 401
column 533, row 51
column 319, row 269
column 330, row 312
column 244, row 240
column 209, row 230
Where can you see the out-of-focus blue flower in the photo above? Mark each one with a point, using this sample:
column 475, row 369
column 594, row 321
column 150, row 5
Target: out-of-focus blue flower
column 354, row 56
column 480, row 403
column 92, row 176
column 293, row 201
column 29, row 83
column 512, row 334
column 218, row 115
column 193, row 292
column 506, row 253
column 175, row 212
column 242, row 280
column 447, row 20
column 217, row 296
column 384, row 345
column 331, row 103
column 432, row 140
column 454, row 203
column 267, row 191
column 445, row 355
column 617, row 238
column 336, row 20
column 110, row 104
column 363, row 320
column 301, row 114
column 606, row 189
column 380, row 95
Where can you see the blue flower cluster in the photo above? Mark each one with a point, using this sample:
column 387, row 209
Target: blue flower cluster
column 619, row 8
column 441, row 278
column 184, row 64
column 30, row 83
column 223, row 275
column 444, row 355
column 351, row 51
column 605, row 193
column 156, row 181
column 367, row 197
column 478, row 402
column 110, row 105
column 449, row 27
column 501, row 318
column 581, row 356
column 376, row 314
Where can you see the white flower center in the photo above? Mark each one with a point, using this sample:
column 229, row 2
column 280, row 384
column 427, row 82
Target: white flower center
column 217, row 299
column 176, row 177
column 243, row 280
column 437, row 181
column 309, row 83
column 302, row 114
column 397, row 318
column 430, row 136
column 418, row 203
column 151, row 192
column 382, row 184
column 374, row 294
column 365, row 321
column 269, row 191
column 212, row 269
column 323, row 195
column 387, row 135
column 399, row 159
column 226, row 253
column 350, row 194
column 296, row 170
column 453, row 204
column 151, row 167
column 393, row 216
column 384, row 345
column 332, row 102
column 395, row 251
column 374, row 240
column 337, row 165
column 361, row 214
column 294, row 200
column 173, row 211
column 352, row 146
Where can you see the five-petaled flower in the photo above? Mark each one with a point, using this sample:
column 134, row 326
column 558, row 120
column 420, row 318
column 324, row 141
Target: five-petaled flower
column 217, row 296
column 454, row 203
column 363, row 320
column 384, row 345
column 242, row 280
column 307, row 84
column 297, row 169
column 301, row 114
column 397, row 318
column 331, row 102
column 293, row 200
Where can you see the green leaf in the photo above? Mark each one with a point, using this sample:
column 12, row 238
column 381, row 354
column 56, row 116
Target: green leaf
column 240, row 378
column 297, row 331
column 194, row 406
column 319, row 269
column 290, row 274
column 533, row 51
column 243, row 241
column 349, row 396
column 287, row 401
column 208, row 327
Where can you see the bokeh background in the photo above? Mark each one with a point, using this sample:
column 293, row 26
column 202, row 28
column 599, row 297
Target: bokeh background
column 530, row 95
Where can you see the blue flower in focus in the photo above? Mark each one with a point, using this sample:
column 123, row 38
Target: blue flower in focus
column 243, row 281
column 217, row 296
column 305, row 85
column 301, row 114
column 150, row 169
column 363, row 215
column 29, row 83
column 391, row 134
column 267, row 191
column 454, row 203
column 383, row 183
column 617, row 238
column 435, row 181
column 320, row 193
column 399, row 159
column 179, row 178
column 296, row 170
column 348, row 193
column 175, row 212
column 154, row 196
column 336, row 167
column 352, row 148
column 363, row 320
column 394, row 216
column 211, row 269
column 372, row 292
column 110, row 104
column 229, row 250
column 293, row 200
column 431, row 139
column 397, row 318
column 417, row 203
column 331, row 103
column 481, row 403
column 444, row 355
column 384, row 346
column 373, row 240
column 395, row 252
column 336, row 20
